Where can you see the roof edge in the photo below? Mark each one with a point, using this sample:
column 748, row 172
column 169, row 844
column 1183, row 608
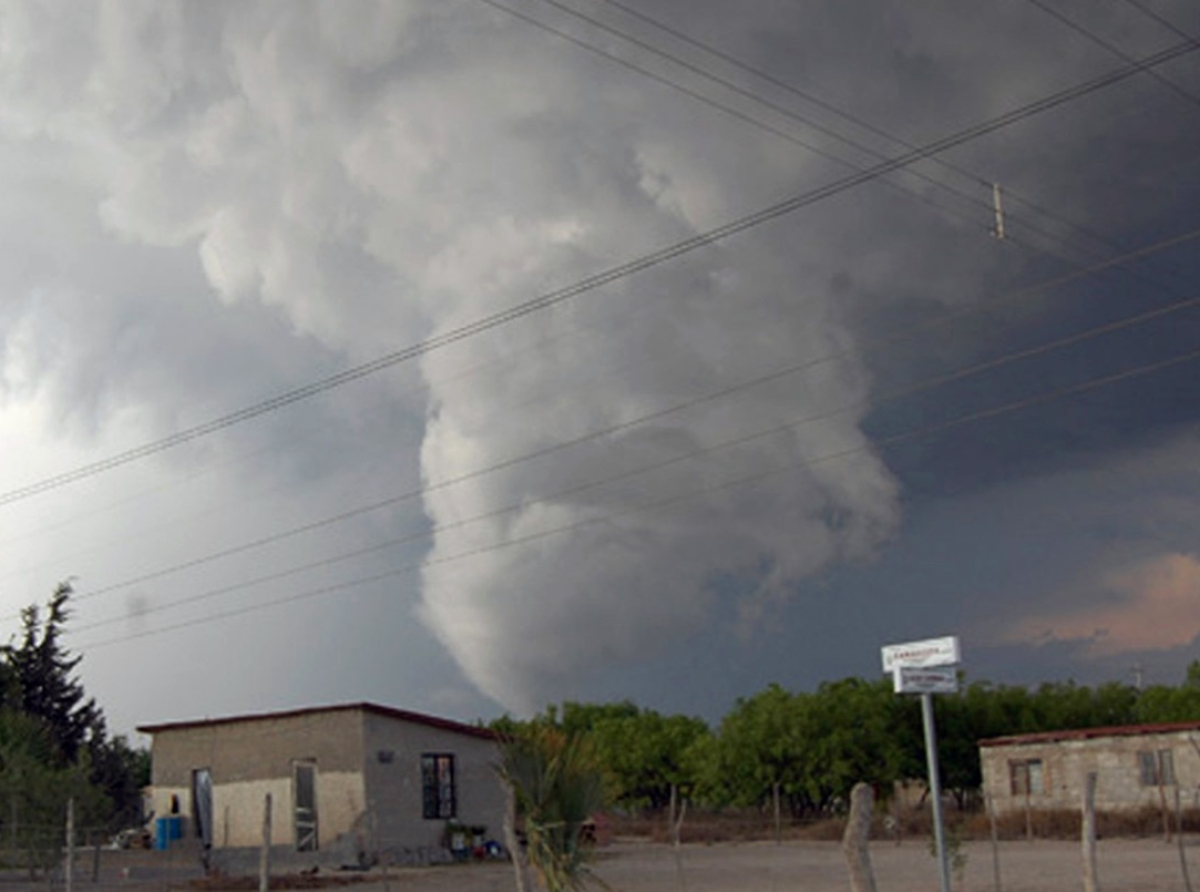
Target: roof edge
column 1091, row 733
column 373, row 708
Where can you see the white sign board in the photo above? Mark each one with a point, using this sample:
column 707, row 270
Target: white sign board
column 925, row 680
column 917, row 654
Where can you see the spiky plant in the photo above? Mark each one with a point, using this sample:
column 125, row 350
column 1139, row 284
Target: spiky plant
column 558, row 784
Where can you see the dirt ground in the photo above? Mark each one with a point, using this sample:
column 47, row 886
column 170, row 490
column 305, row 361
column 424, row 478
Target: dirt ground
column 1147, row 865
column 1123, row 866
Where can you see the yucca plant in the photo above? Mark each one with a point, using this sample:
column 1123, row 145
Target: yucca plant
column 557, row 784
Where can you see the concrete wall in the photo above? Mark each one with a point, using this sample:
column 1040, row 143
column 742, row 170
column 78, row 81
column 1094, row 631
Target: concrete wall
column 395, row 791
column 1065, row 764
column 250, row 758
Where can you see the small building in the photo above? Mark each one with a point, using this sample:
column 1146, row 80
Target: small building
column 1135, row 766
column 347, row 783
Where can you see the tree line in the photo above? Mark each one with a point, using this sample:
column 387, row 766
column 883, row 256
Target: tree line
column 803, row 751
column 54, row 744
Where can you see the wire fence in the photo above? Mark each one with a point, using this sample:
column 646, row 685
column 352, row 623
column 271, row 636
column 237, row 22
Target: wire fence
column 34, row 856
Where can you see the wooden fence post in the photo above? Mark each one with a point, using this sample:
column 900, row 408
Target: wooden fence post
column 1028, row 813
column 264, row 858
column 778, row 817
column 96, row 857
column 520, row 869
column 1187, row 880
column 1089, row 833
column 69, row 864
column 1162, row 805
column 855, row 839
column 991, row 810
column 677, row 838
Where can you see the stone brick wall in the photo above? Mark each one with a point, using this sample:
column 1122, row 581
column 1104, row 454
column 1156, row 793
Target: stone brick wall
column 1065, row 764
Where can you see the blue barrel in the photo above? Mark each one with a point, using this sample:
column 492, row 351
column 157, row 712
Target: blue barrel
column 167, row 829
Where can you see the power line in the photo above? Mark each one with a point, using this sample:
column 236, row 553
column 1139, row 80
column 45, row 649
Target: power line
column 657, row 415
column 775, row 107
column 786, row 427
column 809, row 97
column 759, row 476
column 605, row 277
column 806, row 96
column 568, row 330
column 707, row 75
column 1169, row 25
column 1114, row 49
column 769, row 78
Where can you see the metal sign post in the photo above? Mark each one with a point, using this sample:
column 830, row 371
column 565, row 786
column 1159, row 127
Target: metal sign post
column 928, row 668
column 935, row 788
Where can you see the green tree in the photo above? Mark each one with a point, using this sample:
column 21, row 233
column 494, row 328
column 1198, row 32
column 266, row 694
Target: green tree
column 1191, row 678
column 119, row 771
column 34, row 790
column 849, row 734
column 582, row 718
column 759, row 751
column 647, row 756
column 47, row 688
column 55, row 735
column 1160, row 703
column 962, row 719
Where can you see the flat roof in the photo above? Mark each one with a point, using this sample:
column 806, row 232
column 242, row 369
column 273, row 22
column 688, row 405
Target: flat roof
column 1092, row 733
column 403, row 715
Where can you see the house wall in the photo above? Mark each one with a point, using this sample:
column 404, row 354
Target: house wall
column 248, row 759
column 395, row 786
column 1066, row 763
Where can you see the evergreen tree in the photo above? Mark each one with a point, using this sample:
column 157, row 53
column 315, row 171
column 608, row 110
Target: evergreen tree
column 53, row 740
column 46, row 687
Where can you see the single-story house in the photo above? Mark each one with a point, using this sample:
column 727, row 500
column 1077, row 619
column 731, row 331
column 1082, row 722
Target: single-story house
column 348, row 783
column 1135, row 766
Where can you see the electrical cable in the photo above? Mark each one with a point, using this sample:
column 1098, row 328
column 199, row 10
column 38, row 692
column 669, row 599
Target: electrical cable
column 1169, row 25
column 522, row 504
column 597, row 280
column 806, row 96
column 657, row 415
column 1011, row 195
column 511, row 355
column 1114, row 49
column 970, row 198
column 759, row 476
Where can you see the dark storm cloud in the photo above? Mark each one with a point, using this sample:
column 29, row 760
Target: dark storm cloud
column 275, row 192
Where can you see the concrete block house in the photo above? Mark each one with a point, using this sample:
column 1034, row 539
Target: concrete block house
column 1136, row 766
column 347, row 783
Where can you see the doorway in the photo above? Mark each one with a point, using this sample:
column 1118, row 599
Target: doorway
column 202, row 805
column 304, row 789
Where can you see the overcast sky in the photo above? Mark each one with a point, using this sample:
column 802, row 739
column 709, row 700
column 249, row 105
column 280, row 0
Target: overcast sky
column 581, row 449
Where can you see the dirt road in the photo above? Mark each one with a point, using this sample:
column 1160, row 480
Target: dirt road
column 1148, row 865
column 1124, row 866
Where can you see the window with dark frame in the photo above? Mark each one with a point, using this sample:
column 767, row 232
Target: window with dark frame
column 1026, row 777
column 1156, row 767
column 437, row 786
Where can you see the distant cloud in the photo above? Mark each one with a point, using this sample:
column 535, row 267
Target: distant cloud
column 1154, row 604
